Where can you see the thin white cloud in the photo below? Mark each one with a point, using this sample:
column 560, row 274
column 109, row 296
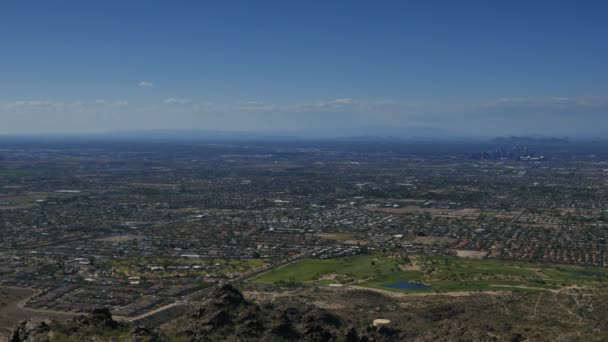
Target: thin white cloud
column 40, row 105
column 119, row 103
column 254, row 103
column 177, row 101
column 145, row 84
column 384, row 102
column 513, row 106
column 45, row 105
column 545, row 114
column 330, row 105
column 111, row 103
column 257, row 106
column 337, row 103
column 552, row 102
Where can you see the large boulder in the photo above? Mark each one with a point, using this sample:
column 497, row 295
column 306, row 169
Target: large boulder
column 30, row 330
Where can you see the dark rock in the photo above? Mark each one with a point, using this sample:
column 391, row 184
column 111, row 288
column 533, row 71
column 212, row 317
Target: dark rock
column 442, row 312
column 227, row 295
column 100, row 318
column 143, row 334
column 384, row 330
column 218, row 319
column 29, row 331
column 251, row 320
column 140, row 331
column 292, row 314
column 351, row 335
column 268, row 306
column 517, row 338
column 323, row 317
column 285, row 329
column 315, row 332
column 254, row 324
column 199, row 313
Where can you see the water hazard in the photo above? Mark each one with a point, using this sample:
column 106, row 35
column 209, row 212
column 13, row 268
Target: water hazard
column 407, row 285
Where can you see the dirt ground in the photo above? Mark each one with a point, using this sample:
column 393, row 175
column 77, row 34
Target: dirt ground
column 120, row 238
column 431, row 240
column 465, row 213
column 461, row 253
column 11, row 313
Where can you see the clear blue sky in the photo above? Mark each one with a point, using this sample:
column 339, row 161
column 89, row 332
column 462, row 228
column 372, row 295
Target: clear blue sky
column 500, row 67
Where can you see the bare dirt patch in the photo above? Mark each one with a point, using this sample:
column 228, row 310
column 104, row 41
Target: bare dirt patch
column 462, row 253
column 336, row 236
column 432, row 240
column 413, row 266
column 120, row 238
column 422, row 294
column 10, row 314
column 12, row 311
column 327, row 305
column 261, row 296
column 328, row 276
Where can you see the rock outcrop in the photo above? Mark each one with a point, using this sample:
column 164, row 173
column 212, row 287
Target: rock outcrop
column 29, row 331
column 225, row 314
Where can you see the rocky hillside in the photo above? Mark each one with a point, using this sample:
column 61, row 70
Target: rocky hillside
column 226, row 315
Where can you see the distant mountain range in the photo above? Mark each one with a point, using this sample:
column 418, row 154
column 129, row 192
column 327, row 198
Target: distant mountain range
column 531, row 140
column 368, row 133
column 379, row 133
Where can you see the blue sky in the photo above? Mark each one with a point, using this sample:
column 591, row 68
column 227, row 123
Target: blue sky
column 493, row 67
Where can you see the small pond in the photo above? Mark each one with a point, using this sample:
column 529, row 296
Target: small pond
column 407, row 285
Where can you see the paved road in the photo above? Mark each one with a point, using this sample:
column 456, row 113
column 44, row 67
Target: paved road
column 21, row 306
column 184, row 299
column 518, row 216
column 189, row 297
column 148, row 313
